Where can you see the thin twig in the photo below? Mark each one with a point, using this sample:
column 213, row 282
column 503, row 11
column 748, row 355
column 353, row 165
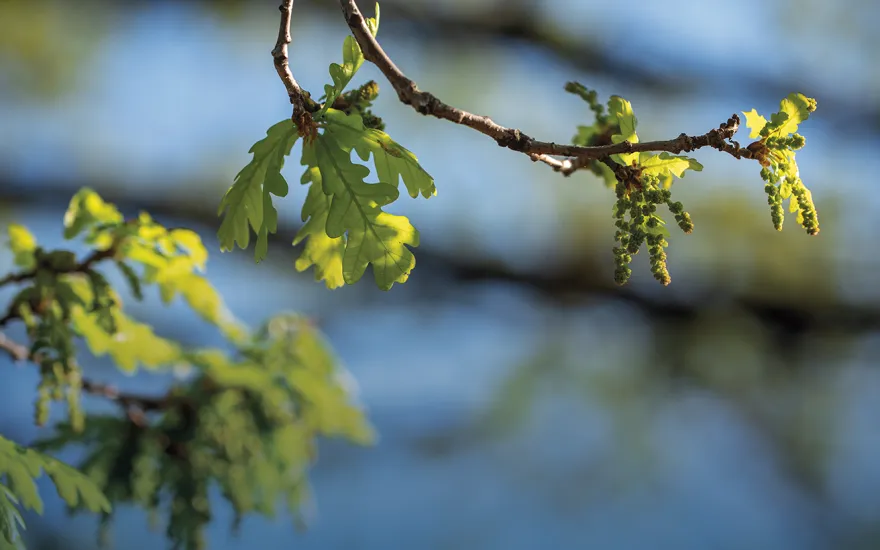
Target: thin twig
column 301, row 115
column 82, row 267
column 20, row 352
column 428, row 104
column 556, row 164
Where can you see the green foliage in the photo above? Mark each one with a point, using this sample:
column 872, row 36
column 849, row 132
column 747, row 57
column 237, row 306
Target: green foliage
column 346, row 228
column 350, row 207
column 776, row 153
column 19, row 466
column 246, row 422
column 247, row 425
column 248, row 418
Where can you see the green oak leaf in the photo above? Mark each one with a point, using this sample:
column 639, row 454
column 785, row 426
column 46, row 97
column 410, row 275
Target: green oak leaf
column 381, row 242
column 352, row 59
column 21, row 465
column 86, row 211
column 322, row 251
column 248, row 203
column 371, row 235
column 392, row 160
column 11, row 522
column 793, row 110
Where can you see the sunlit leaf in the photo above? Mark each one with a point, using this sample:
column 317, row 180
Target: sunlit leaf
column 755, row 122
column 665, row 163
column 247, row 205
column 23, row 244
column 622, row 112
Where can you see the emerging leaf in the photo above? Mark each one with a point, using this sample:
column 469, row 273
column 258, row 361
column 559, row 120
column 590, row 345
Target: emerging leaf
column 621, row 110
column 352, row 59
column 667, row 164
column 755, row 122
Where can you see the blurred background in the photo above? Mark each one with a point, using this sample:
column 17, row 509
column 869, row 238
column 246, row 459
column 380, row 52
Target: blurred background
column 522, row 400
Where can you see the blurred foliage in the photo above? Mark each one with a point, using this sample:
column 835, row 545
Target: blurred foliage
column 246, row 422
column 19, row 466
column 30, row 34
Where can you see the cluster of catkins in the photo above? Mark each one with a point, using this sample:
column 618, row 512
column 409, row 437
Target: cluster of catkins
column 637, row 222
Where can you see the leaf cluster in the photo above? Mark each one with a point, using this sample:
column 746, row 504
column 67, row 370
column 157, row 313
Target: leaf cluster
column 246, row 421
column 246, row 425
column 346, row 226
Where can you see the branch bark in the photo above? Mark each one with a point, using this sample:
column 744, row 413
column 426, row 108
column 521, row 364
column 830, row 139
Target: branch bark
column 428, row 104
column 301, row 115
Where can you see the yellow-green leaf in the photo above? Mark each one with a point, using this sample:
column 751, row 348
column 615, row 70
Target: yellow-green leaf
column 86, row 210
column 621, row 110
column 665, row 163
column 755, row 122
column 23, row 244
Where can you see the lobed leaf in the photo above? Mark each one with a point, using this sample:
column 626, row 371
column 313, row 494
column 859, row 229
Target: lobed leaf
column 10, row 518
column 21, row 466
column 322, row 251
column 247, row 205
column 665, row 164
column 755, row 122
column 393, row 161
column 371, row 236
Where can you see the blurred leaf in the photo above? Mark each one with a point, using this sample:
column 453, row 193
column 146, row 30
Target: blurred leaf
column 86, row 210
column 23, row 244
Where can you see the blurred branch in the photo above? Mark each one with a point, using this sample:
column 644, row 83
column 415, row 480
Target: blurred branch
column 579, row 279
column 428, row 104
column 20, row 352
column 81, row 267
